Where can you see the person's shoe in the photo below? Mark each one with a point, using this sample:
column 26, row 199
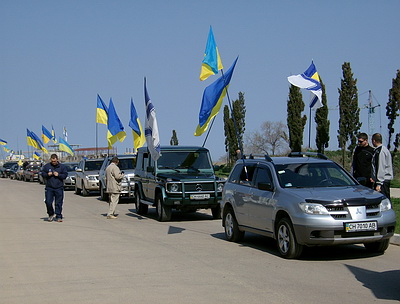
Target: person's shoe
column 59, row 220
column 111, row 217
column 51, row 217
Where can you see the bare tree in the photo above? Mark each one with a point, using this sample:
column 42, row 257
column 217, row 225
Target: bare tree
column 271, row 139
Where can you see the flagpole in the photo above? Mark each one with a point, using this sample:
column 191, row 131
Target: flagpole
column 309, row 131
column 97, row 152
column 208, row 132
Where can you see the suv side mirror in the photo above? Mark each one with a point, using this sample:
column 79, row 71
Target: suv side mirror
column 265, row 186
column 78, row 170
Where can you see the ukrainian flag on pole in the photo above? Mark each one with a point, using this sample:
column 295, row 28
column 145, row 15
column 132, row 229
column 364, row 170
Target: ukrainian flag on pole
column 212, row 61
column 64, row 146
column 46, row 135
column 3, row 142
column 137, row 131
column 115, row 127
column 212, row 100
column 101, row 111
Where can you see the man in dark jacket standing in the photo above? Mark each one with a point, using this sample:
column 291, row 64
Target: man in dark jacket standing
column 362, row 159
column 54, row 174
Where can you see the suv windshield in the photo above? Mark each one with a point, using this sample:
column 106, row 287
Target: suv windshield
column 93, row 165
column 127, row 163
column 312, row 175
column 184, row 160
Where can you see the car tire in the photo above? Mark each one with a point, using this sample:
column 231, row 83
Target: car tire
column 286, row 240
column 77, row 190
column 216, row 212
column 377, row 247
column 141, row 208
column 164, row 213
column 231, row 227
column 85, row 192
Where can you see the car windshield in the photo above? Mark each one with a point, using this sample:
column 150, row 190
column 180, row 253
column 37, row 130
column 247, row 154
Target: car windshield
column 192, row 161
column 71, row 167
column 127, row 163
column 93, row 165
column 313, row 175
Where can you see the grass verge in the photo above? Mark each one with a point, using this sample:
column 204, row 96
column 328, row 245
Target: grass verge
column 396, row 208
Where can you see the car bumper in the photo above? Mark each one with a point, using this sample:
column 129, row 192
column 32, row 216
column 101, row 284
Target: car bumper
column 333, row 232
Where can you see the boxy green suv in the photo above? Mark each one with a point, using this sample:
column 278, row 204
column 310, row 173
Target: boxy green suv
column 182, row 178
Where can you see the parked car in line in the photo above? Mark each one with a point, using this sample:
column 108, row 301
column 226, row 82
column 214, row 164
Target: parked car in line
column 87, row 176
column 13, row 171
column 5, row 170
column 31, row 172
column 69, row 182
column 182, row 179
column 127, row 163
column 20, row 173
column 304, row 201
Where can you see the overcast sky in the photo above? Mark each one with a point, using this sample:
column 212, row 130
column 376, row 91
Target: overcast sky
column 56, row 56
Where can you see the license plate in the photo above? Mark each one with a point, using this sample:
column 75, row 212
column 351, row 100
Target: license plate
column 361, row 226
column 199, row 196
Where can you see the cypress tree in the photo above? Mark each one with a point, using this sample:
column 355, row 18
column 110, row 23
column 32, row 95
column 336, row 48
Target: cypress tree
column 295, row 122
column 393, row 107
column 349, row 112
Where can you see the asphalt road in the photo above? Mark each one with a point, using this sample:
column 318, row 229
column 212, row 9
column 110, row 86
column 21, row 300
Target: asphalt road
column 135, row 259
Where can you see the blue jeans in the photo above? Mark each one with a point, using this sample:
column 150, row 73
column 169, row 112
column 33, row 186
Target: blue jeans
column 56, row 195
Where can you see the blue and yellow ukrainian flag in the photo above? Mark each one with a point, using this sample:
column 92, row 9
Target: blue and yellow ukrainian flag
column 36, row 155
column 212, row 61
column 101, row 111
column 212, row 100
column 137, row 131
column 64, row 146
column 3, row 142
column 115, row 127
column 46, row 135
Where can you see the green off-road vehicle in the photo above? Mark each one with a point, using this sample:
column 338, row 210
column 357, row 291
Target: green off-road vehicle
column 182, row 178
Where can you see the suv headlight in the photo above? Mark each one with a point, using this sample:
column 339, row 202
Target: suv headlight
column 312, row 208
column 174, row 187
column 91, row 177
column 220, row 187
column 385, row 205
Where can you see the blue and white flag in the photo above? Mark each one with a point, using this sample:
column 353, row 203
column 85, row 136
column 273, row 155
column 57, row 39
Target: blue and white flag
column 151, row 127
column 309, row 80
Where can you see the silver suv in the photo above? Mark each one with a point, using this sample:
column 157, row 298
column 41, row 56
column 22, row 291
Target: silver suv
column 304, row 201
column 127, row 166
column 87, row 176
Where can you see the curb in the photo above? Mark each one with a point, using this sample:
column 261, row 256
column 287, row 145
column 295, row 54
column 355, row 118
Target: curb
column 395, row 240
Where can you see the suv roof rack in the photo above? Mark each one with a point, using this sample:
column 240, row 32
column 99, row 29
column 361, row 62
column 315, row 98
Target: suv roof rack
column 264, row 156
column 307, row 154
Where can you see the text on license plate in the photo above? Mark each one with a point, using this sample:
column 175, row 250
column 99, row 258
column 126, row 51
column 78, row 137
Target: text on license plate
column 199, row 196
column 361, row 226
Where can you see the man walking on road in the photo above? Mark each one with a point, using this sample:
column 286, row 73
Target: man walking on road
column 382, row 170
column 54, row 174
column 113, row 181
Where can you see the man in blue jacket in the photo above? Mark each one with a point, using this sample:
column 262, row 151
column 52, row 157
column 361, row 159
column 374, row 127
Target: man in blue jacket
column 54, row 174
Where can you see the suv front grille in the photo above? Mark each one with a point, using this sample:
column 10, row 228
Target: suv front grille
column 340, row 212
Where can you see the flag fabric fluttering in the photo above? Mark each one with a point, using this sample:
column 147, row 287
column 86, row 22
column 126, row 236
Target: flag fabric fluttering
column 64, row 146
column 212, row 100
column 5, row 147
column 46, row 135
column 212, row 60
column 3, row 142
column 151, row 127
column 115, row 127
column 309, row 80
column 101, row 111
column 36, row 155
column 53, row 135
column 137, row 131
column 34, row 141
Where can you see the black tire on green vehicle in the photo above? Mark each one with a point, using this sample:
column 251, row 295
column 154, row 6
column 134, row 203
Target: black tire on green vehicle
column 164, row 212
